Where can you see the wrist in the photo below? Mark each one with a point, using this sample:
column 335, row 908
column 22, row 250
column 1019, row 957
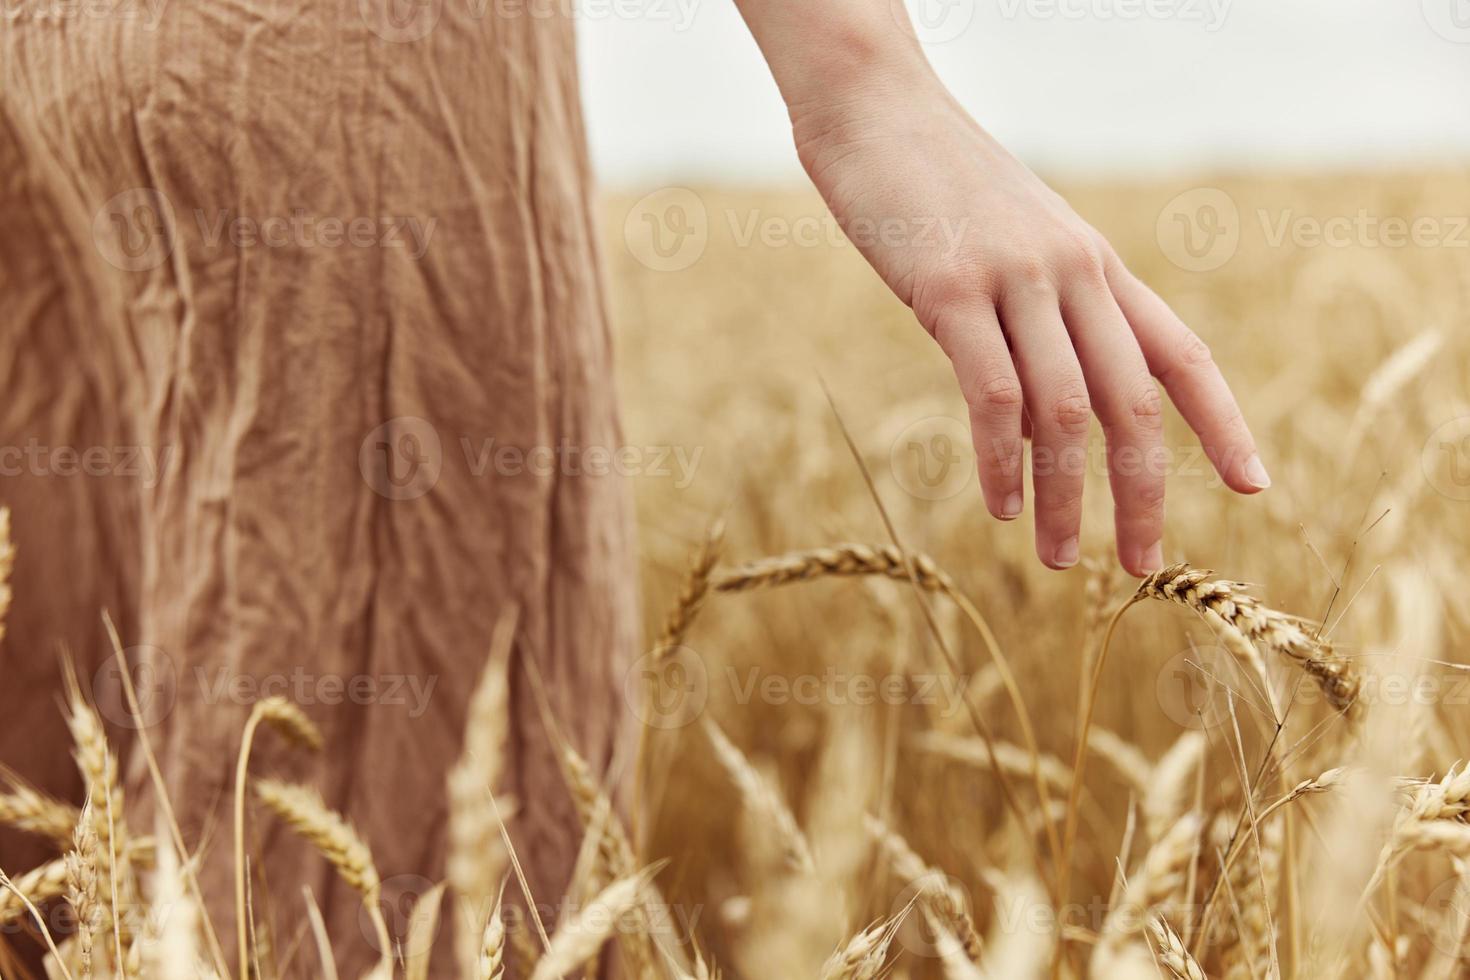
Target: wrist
column 864, row 86
column 859, row 66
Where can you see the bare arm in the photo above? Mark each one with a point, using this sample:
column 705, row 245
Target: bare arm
column 1043, row 323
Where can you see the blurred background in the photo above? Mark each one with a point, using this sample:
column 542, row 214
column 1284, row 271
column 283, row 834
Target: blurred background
column 675, row 90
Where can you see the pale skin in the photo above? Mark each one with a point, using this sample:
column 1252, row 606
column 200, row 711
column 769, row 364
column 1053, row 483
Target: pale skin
column 1043, row 323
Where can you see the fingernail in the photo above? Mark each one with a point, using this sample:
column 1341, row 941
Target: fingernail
column 1153, row 558
column 1255, row 473
column 1066, row 554
column 1012, row 507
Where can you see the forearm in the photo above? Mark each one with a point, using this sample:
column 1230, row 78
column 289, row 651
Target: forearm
column 821, row 50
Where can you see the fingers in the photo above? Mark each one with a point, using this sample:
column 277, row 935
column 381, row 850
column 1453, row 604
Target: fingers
column 1128, row 405
column 982, row 364
column 1182, row 362
column 1060, row 412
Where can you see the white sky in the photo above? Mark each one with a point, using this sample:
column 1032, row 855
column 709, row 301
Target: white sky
column 676, row 89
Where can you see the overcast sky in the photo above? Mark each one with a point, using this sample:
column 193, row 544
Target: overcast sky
column 676, row 89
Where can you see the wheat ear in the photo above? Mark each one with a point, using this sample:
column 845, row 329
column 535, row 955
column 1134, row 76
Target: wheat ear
column 476, row 856
column 838, row 560
column 1173, row 955
column 863, row 956
column 939, row 893
column 27, row 808
column 81, row 889
column 763, row 802
column 580, row 937
column 1221, row 601
column 304, row 811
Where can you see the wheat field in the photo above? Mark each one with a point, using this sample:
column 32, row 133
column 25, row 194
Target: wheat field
column 873, row 737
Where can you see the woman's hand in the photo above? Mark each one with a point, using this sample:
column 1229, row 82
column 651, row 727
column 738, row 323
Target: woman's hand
column 1043, row 323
